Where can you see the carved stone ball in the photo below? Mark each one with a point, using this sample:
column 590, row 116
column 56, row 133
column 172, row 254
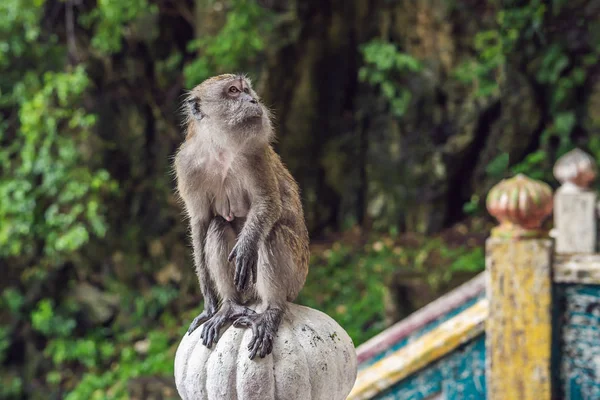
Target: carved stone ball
column 576, row 167
column 520, row 201
column 313, row 358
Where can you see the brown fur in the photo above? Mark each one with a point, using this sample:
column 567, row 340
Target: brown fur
column 239, row 195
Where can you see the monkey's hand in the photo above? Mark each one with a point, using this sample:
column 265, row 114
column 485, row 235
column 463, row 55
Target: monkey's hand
column 246, row 260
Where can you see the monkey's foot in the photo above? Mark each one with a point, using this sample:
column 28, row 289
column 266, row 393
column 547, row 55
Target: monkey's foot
column 200, row 319
column 264, row 327
column 229, row 312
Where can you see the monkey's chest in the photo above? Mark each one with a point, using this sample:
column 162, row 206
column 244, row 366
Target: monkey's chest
column 212, row 175
column 231, row 201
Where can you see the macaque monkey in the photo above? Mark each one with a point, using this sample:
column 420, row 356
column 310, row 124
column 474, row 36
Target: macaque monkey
column 247, row 225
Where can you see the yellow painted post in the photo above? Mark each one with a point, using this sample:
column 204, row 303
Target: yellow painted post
column 519, row 291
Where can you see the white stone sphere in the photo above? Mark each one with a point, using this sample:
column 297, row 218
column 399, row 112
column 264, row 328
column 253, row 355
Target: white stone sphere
column 313, row 358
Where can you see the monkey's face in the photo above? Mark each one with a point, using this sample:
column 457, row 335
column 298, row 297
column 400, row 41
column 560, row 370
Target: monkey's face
column 227, row 99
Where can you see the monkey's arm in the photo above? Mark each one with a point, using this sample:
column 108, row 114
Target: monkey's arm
column 265, row 210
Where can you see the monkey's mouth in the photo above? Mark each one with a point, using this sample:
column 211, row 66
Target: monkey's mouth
column 252, row 111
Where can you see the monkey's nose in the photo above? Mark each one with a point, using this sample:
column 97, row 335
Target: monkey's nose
column 253, row 101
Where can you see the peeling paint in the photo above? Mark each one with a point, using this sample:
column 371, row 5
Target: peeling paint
column 422, row 321
column 577, row 268
column 580, row 347
column 459, row 375
column 430, row 347
column 519, row 329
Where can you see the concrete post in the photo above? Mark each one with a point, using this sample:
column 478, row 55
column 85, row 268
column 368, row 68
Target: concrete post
column 575, row 212
column 519, row 291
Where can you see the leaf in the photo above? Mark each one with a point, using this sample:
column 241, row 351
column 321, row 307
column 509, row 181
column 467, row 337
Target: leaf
column 497, row 166
column 73, row 239
column 564, row 122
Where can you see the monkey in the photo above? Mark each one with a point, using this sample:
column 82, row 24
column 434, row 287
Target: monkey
column 248, row 232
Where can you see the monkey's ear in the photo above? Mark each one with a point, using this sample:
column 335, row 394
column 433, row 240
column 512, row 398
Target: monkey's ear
column 195, row 110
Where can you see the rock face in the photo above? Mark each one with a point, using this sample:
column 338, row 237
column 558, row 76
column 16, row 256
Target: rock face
column 313, row 358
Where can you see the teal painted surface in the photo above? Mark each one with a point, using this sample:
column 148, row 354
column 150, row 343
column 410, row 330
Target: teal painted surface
column 458, row 376
column 417, row 334
column 579, row 355
column 461, row 374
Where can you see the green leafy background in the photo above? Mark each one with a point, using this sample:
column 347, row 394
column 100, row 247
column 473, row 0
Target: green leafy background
column 395, row 117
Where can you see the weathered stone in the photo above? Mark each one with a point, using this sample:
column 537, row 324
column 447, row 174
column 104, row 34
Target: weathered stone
column 575, row 210
column 313, row 358
column 575, row 221
column 520, row 204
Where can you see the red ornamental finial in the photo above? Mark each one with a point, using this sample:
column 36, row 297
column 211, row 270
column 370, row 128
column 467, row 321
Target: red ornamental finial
column 520, row 204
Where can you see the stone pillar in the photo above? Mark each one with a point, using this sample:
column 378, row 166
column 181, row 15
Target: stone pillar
column 575, row 212
column 519, row 290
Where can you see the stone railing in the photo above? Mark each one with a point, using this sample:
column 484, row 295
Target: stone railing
column 534, row 332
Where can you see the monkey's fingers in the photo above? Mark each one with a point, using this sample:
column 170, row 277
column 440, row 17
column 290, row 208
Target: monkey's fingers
column 257, row 335
column 242, row 322
column 253, row 353
column 213, row 328
column 214, row 334
column 239, row 265
column 193, row 326
column 236, row 276
column 254, row 271
column 267, row 345
column 253, row 350
column 199, row 320
column 239, row 271
column 242, row 275
column 246, row 322
column 263, row 344
column 205, row 334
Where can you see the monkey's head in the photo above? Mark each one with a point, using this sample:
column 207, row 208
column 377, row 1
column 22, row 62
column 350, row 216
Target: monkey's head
column 228, row 100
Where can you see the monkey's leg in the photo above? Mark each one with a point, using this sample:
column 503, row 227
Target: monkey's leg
column 219, row 242
column 207, row 286
column 282, row 268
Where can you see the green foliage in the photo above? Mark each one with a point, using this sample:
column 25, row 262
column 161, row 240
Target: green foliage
column 12, row 299
column 11, row 387
column 537, row 164
column 494, row 47
column 384, row 68
column 111, row 362
column 47, row 321
column 19, row 28
column 50, row 201
column 498, row 166
column 237, row 44
column 113, row 19
column 523, row 35
column 143, row 345
column 112, row 383
column 4, row 341
column 85, row 351
column 473, row 206
column 348, row 282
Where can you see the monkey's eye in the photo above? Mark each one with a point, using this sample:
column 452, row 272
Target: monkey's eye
column 233, row 89
column 246, row 90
